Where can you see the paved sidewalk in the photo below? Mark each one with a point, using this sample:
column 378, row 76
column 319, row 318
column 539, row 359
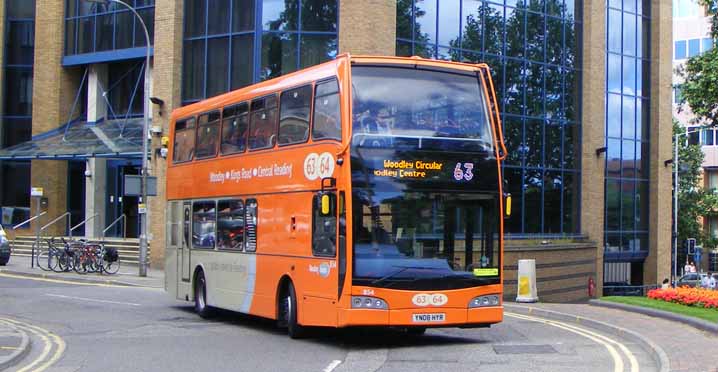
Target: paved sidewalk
column 688, row 349
column 128, row 274
column 14, row 345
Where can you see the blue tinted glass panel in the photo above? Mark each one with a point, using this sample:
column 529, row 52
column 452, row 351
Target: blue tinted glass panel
column 243, row 15
column 629, row 75
column 242, row 60
column 707, row 44
column 629, row 34
column 218, row 14
column 425, row 25
column 614, row 30
column 629, row 118
column 20, row 43
column 679, row 48
column 217, row 66
column 613, row 115
column 613, row 158
column 319, row 15
column 694, row 47
column 279, row 15
column 279, row 55
column 614, row 73
column 20, row 8
column 317, row 49
column 449, row 22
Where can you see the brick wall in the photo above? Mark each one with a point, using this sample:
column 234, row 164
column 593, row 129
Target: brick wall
column 562, row 270
column 658, row 263
column 167, row 83
column 54, row 89
column 367, row 27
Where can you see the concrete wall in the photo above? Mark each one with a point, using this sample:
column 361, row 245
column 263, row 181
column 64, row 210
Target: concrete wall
column 54, row 89
column 658, row 264
column 167, row 84
column 593, row 124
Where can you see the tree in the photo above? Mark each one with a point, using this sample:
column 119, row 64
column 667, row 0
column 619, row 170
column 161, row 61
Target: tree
column 694, row 201
column 699, row 89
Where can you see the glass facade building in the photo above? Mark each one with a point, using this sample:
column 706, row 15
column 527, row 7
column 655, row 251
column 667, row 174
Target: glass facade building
column 533, row 49
column 97, row 27
column 627, row 130
column 229, row 44
column 16, row 122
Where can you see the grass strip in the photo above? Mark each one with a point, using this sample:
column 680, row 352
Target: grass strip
column 710, row 315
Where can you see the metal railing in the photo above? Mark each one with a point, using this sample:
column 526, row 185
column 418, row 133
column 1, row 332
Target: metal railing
column 27, row 221
column 60, row 217
column 82, row 223
column 628, row 290
column 123, row 217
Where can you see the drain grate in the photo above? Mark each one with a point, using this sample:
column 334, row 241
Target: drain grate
column 524, row 349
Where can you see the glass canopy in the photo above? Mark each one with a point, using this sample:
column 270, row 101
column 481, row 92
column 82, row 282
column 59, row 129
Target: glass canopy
column 79, row 140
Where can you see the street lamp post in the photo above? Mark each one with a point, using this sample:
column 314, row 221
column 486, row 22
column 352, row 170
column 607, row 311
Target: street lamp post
column 145, row 133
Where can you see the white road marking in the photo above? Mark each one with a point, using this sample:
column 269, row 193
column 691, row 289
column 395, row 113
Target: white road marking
column 92, row 300
column 332, row 365
column 598, row 338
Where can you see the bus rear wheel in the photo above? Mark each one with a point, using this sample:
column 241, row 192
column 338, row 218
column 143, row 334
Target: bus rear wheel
column 200, row 297
column 294, row 329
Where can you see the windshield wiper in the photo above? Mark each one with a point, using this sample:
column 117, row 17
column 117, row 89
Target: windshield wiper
column 397, row 272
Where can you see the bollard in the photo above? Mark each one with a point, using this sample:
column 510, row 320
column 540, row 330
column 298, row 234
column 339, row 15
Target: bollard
column 527, row 282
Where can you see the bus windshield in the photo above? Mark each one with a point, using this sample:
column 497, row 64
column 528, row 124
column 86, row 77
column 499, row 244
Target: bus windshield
column 424, row 240
column 398, row 106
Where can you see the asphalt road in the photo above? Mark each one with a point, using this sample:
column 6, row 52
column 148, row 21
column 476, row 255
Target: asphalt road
column 105, row 328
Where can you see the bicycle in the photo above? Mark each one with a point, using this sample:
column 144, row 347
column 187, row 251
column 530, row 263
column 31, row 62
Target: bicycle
column 46, row 258
column 108, row 260
column 86, row 258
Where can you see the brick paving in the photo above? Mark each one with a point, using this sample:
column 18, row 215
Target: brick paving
column 689, row 349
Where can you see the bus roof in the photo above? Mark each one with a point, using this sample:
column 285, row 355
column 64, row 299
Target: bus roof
column 318, row 72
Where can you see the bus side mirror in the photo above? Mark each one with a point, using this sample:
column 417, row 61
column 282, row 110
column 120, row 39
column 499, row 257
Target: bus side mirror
column 326, row 205
column 507, row 208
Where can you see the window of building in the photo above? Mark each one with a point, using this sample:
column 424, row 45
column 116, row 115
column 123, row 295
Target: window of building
column 686, row 8
column 230, row 224
column 677, row 94
column 250, row 223
column 208, row 135
column 126, row 93
column 295, row 106
column 707, row 137
column 707, row 44
column 533, row 50
column 235, row 121
column 693, row 136
column 712, row 180
column 694, row 47
column 327, row 119
column 184, row 140
column 227, row 45
column 263, row 123
column 679, row 48
column 204, row 217
column 96, row 27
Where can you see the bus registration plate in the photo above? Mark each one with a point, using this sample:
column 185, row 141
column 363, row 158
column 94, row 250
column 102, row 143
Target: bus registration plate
column 429, row 318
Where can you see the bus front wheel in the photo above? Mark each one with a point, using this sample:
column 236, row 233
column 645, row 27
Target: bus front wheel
column 200, row 297
column 294, row 329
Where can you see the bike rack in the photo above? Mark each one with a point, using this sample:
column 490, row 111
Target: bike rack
column 66, row 214
column 123, row 217
column 82, row 223
column 23, row 223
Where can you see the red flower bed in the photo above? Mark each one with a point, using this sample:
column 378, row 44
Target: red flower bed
column 698, row 297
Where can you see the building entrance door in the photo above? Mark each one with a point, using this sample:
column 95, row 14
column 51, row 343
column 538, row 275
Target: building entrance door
column 119, row 204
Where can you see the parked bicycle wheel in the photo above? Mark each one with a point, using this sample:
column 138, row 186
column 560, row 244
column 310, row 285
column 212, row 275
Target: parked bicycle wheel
column 46, row 257
column 111, row 267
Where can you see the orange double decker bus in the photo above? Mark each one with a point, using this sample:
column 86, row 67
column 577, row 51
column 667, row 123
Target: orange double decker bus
column 365, row 191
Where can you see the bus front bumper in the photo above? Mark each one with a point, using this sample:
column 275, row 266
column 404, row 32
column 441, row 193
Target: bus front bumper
column 422, row 317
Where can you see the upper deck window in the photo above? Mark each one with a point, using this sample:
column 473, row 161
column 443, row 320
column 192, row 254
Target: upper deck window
column 416, row 107
column 235, row 120
column 184, row 140
column 263, row 123
column 208, row 135
column 294, row 115
column 327, row 122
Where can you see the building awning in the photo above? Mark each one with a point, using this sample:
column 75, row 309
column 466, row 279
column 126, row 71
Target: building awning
column 120, row 138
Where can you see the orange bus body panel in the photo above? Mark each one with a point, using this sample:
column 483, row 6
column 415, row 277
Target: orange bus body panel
column 276, row 178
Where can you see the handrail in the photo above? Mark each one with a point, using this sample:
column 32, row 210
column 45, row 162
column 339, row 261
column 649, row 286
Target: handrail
column 28, row 220
column 123, row 217
column 55, row 220
column 83, row 222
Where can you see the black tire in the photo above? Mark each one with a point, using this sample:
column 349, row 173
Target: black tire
column 294, row 329
column 46, row 261
column 111, row 267
column 416, row 331
column 200, row 297
column 4, row 261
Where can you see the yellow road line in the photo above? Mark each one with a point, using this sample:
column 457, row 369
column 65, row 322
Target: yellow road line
column 6, row 275
column 8, row 348
column 45, row 335
column 598, row 338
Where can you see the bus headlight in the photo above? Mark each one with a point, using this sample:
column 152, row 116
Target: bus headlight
column 484, row 301
column 366, row 302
